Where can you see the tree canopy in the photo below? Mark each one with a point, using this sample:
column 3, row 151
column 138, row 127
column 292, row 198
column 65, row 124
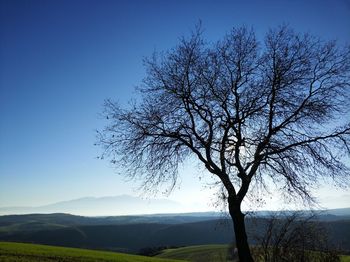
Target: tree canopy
column 247, row 111
column 250, row 112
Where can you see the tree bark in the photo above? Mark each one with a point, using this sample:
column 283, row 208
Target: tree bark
column 240, row 232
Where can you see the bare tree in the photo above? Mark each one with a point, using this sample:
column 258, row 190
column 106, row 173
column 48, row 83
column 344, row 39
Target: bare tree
column 293, row 236
column 248, row 112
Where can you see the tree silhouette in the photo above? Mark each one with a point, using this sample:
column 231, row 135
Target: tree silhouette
column 248, row 112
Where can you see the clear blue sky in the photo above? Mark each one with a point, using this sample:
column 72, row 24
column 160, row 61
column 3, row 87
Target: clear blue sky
column 60, row 59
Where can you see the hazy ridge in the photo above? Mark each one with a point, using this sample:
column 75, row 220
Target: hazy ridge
column 134, row 233
column 92, row 206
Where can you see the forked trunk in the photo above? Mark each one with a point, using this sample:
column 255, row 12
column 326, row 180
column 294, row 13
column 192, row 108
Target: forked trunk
column 240, row 233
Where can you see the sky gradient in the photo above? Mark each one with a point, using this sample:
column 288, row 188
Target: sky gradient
column 59, row 60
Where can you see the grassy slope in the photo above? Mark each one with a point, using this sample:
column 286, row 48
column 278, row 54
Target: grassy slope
column 30, row 253
column 345, row 258
column 197, row 253
column 205, row 253
column 11, row 252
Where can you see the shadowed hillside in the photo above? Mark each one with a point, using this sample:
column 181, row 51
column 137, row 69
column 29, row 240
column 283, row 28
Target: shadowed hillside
column 131, row 234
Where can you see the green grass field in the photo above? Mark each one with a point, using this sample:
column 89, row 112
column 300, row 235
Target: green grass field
column 201, row 253
column 11, row 252
column 345, row 258
column 206, row 253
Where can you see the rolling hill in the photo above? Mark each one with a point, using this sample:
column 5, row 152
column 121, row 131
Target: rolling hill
column 125, row 238
column 32, row 253
column 208, row 253
column 198, row 253
column 132, row 234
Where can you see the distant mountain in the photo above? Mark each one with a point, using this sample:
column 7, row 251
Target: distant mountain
column 102, row 206
column 125, row 205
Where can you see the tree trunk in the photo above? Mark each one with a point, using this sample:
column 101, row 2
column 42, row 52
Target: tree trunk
column 240, row 232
